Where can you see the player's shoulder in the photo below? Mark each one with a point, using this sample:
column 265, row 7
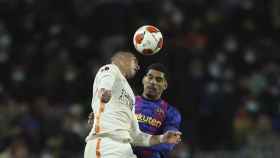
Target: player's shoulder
column 108, row 68
column 172, row 109
column 138, row 97
column 173, row 114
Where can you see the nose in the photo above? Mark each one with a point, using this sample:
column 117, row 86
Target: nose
column 153, row 81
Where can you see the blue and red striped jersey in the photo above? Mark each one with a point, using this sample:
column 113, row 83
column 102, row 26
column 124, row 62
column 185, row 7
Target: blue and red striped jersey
column 155, row 117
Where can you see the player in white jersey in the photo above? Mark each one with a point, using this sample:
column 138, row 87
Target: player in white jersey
column 115, row 125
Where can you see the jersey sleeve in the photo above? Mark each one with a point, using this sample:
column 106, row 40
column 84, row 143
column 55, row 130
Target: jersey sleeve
column 172, row 122
column 107, row 76
column 139, row 138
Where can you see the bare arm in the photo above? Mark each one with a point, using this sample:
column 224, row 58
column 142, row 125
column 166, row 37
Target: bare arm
column 91, row 119
column 143, row 139
column 169, row 137
column 107, row 77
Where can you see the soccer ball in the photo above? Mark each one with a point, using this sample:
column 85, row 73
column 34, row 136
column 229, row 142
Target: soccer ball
column 148, row 40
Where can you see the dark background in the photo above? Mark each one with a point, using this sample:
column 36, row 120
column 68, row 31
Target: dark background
column 223, row 58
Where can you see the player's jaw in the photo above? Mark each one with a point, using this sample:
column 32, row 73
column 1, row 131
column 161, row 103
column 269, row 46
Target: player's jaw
column 130, row 67
column 131, row 73
column 151, row 92
column 132, row 70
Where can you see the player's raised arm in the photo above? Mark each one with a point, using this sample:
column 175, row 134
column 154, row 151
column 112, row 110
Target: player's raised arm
column 107, row 76
column 104, row 95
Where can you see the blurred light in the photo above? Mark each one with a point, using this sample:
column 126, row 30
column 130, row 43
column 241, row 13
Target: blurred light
column 231, row 44
column 250, row 56
column 247, row 4
column 1, row 88
column 214, row 69
column 212, row 87
column 229, row 74
column 252, row 106
column 76, row 109
column 18, row 75
column 177, row 17
column 70, row 75
column 228, row 87
column 213, row 16
column 83, row 41
column 55, row 29
column 5, row 41
column 221, row 58
column 4, row 57
column 196, row 68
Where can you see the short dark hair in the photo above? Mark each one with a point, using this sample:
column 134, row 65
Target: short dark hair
column 121, row 54
column 159, row 67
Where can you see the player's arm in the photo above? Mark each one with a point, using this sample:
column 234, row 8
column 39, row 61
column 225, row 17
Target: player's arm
column 172, row 122
column 107, row 79
column 90, row 119
column 144, row 139
column 107, row 76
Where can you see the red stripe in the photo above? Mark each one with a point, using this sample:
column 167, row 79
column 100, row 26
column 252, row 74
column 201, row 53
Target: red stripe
column 97, row 150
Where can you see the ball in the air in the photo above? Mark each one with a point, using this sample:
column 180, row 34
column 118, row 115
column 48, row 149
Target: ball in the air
column 148, row 40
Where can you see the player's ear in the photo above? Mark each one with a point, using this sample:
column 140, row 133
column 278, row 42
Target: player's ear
column 165, row 85
column 143, row 79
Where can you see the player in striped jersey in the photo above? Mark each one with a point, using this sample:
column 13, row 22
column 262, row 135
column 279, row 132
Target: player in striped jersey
column 155, row 115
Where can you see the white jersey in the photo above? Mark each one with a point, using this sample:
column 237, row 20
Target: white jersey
column 115, row 116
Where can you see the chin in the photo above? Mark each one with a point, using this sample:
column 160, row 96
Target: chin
column 151, row 96
column 133, row 74
column 130, row 76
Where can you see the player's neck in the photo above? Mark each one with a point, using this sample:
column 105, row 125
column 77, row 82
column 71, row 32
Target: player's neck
column 150, row 99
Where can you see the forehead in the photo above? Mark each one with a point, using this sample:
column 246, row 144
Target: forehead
column 155, row 73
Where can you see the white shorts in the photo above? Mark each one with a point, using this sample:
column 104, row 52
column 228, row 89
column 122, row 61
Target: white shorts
column 105, row 147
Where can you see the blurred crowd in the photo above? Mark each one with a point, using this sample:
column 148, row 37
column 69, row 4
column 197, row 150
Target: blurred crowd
column 223, row 57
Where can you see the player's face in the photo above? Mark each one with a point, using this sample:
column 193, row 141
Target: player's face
column 132, row 67
column 154, row 84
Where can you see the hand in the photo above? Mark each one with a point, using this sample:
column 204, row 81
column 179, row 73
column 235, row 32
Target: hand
column 171, row 137
column 90, row 119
